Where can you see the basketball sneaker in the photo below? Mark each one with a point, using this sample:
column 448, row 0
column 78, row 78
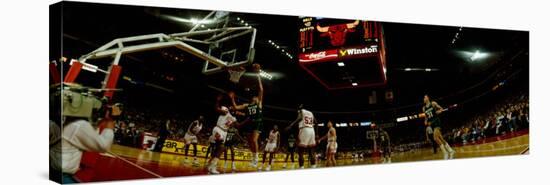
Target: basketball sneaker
column 212, row 169
column 260, row 167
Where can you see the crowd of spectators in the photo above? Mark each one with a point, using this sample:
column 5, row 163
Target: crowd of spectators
column 505, row 117
column 134, row 123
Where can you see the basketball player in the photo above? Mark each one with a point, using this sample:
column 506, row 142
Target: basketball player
column 385, row 144
column 219, row 134
column 231, row 140
column 254, row 116
column 432, row 110
column 332, row 145
column 190, row 138
column 291, row 147
column 273, row 142
column 306, row 136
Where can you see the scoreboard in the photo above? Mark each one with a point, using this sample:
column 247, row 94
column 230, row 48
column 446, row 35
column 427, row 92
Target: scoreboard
column 322, row 33
column 324, row 40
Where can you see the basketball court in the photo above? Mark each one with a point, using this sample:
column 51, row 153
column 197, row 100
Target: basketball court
column 126, row 163
column 365, row 76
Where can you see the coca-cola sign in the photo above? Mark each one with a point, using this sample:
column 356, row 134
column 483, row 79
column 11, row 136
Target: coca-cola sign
column 344, row 53
column 317, row 56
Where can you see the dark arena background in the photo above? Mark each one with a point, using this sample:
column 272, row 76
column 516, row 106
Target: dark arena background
column 367, row 77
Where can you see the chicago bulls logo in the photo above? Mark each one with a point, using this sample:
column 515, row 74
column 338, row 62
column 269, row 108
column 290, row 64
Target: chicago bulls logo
column 337, row 33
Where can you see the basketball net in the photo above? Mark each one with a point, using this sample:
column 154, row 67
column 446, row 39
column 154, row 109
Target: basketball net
column 235, row 74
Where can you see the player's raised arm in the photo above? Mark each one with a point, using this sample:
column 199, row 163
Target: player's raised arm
column 438, row 108
column 260, row 91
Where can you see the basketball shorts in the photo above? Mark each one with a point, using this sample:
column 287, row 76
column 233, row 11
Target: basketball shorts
column 190, row 139
column 270, row 147
column 332, row 147
column 435, row 123
column 219, row 134
column 306, row 137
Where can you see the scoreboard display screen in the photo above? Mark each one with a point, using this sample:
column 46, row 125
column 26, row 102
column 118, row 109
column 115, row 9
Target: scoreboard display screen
column 322, row 33
column 327, row 46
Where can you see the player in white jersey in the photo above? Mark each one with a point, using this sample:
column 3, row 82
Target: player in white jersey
column 332, row 145
column 306, row 136
column 273, row 141
column 191, row 138
column 218, row 135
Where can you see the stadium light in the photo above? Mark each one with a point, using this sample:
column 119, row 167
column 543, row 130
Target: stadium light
column 366, row 123
column 475, row 56
column 408, row 69
column 341, row 64
column 354, row 84
column 401, row 119
column 266, row 75
column 192, row 20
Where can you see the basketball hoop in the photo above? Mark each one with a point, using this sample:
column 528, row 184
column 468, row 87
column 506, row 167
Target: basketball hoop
column 235, row 74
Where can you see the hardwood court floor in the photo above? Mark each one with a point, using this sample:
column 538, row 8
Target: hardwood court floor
column 124, row 163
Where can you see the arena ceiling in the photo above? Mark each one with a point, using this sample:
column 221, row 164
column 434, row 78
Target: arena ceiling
column 446, row 51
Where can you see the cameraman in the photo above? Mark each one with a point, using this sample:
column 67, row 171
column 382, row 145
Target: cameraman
column 78, row 136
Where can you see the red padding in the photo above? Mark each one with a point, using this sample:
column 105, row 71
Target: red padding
column 73, row 72
column 112, row 81
column 55, row 74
